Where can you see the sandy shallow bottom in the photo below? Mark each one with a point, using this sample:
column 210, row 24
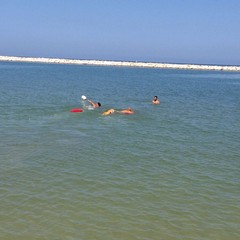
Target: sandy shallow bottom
column 169, row 171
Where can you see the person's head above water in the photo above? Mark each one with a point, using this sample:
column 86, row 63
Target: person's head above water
column 99, row 104
column 155, row 100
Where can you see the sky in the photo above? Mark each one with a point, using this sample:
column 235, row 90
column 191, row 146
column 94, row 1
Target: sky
column 172, row 31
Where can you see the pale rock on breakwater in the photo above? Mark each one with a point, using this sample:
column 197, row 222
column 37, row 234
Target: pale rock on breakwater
column 120, row 63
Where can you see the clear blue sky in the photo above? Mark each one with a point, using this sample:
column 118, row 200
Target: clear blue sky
column 180, row 31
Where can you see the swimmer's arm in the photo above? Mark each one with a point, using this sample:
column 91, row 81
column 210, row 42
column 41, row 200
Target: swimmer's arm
column 93, row 104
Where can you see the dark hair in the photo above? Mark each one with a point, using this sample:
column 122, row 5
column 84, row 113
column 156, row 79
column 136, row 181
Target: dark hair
column 156, row 96
column 99, row 104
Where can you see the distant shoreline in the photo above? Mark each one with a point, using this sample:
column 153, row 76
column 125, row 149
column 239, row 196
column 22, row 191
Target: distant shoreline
column 120, row 63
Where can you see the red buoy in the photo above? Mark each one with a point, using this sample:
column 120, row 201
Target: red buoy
column 76, row 110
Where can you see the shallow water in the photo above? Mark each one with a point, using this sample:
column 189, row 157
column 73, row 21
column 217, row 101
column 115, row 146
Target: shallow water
column 167, row 172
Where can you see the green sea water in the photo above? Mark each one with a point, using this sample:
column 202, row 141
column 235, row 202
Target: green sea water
column 167, row 172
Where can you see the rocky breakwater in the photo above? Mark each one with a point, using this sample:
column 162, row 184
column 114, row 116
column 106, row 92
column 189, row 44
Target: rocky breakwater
column 120, row 63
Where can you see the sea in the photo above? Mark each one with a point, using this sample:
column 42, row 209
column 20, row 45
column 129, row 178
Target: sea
column 169, row 171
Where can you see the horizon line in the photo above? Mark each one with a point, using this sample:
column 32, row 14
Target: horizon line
column 116, row 63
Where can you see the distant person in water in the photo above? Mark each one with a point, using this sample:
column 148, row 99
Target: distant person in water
column 95, row 105
column 127, row 111
column 123, row 111
column 155, row 100
column 108, row 112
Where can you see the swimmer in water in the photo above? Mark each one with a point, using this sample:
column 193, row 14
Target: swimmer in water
column 127, row 111
column 155, row 100
column 95, row 105
column 108, row 112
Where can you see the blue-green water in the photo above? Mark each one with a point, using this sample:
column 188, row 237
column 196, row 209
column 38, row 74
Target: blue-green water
column 167, row 172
